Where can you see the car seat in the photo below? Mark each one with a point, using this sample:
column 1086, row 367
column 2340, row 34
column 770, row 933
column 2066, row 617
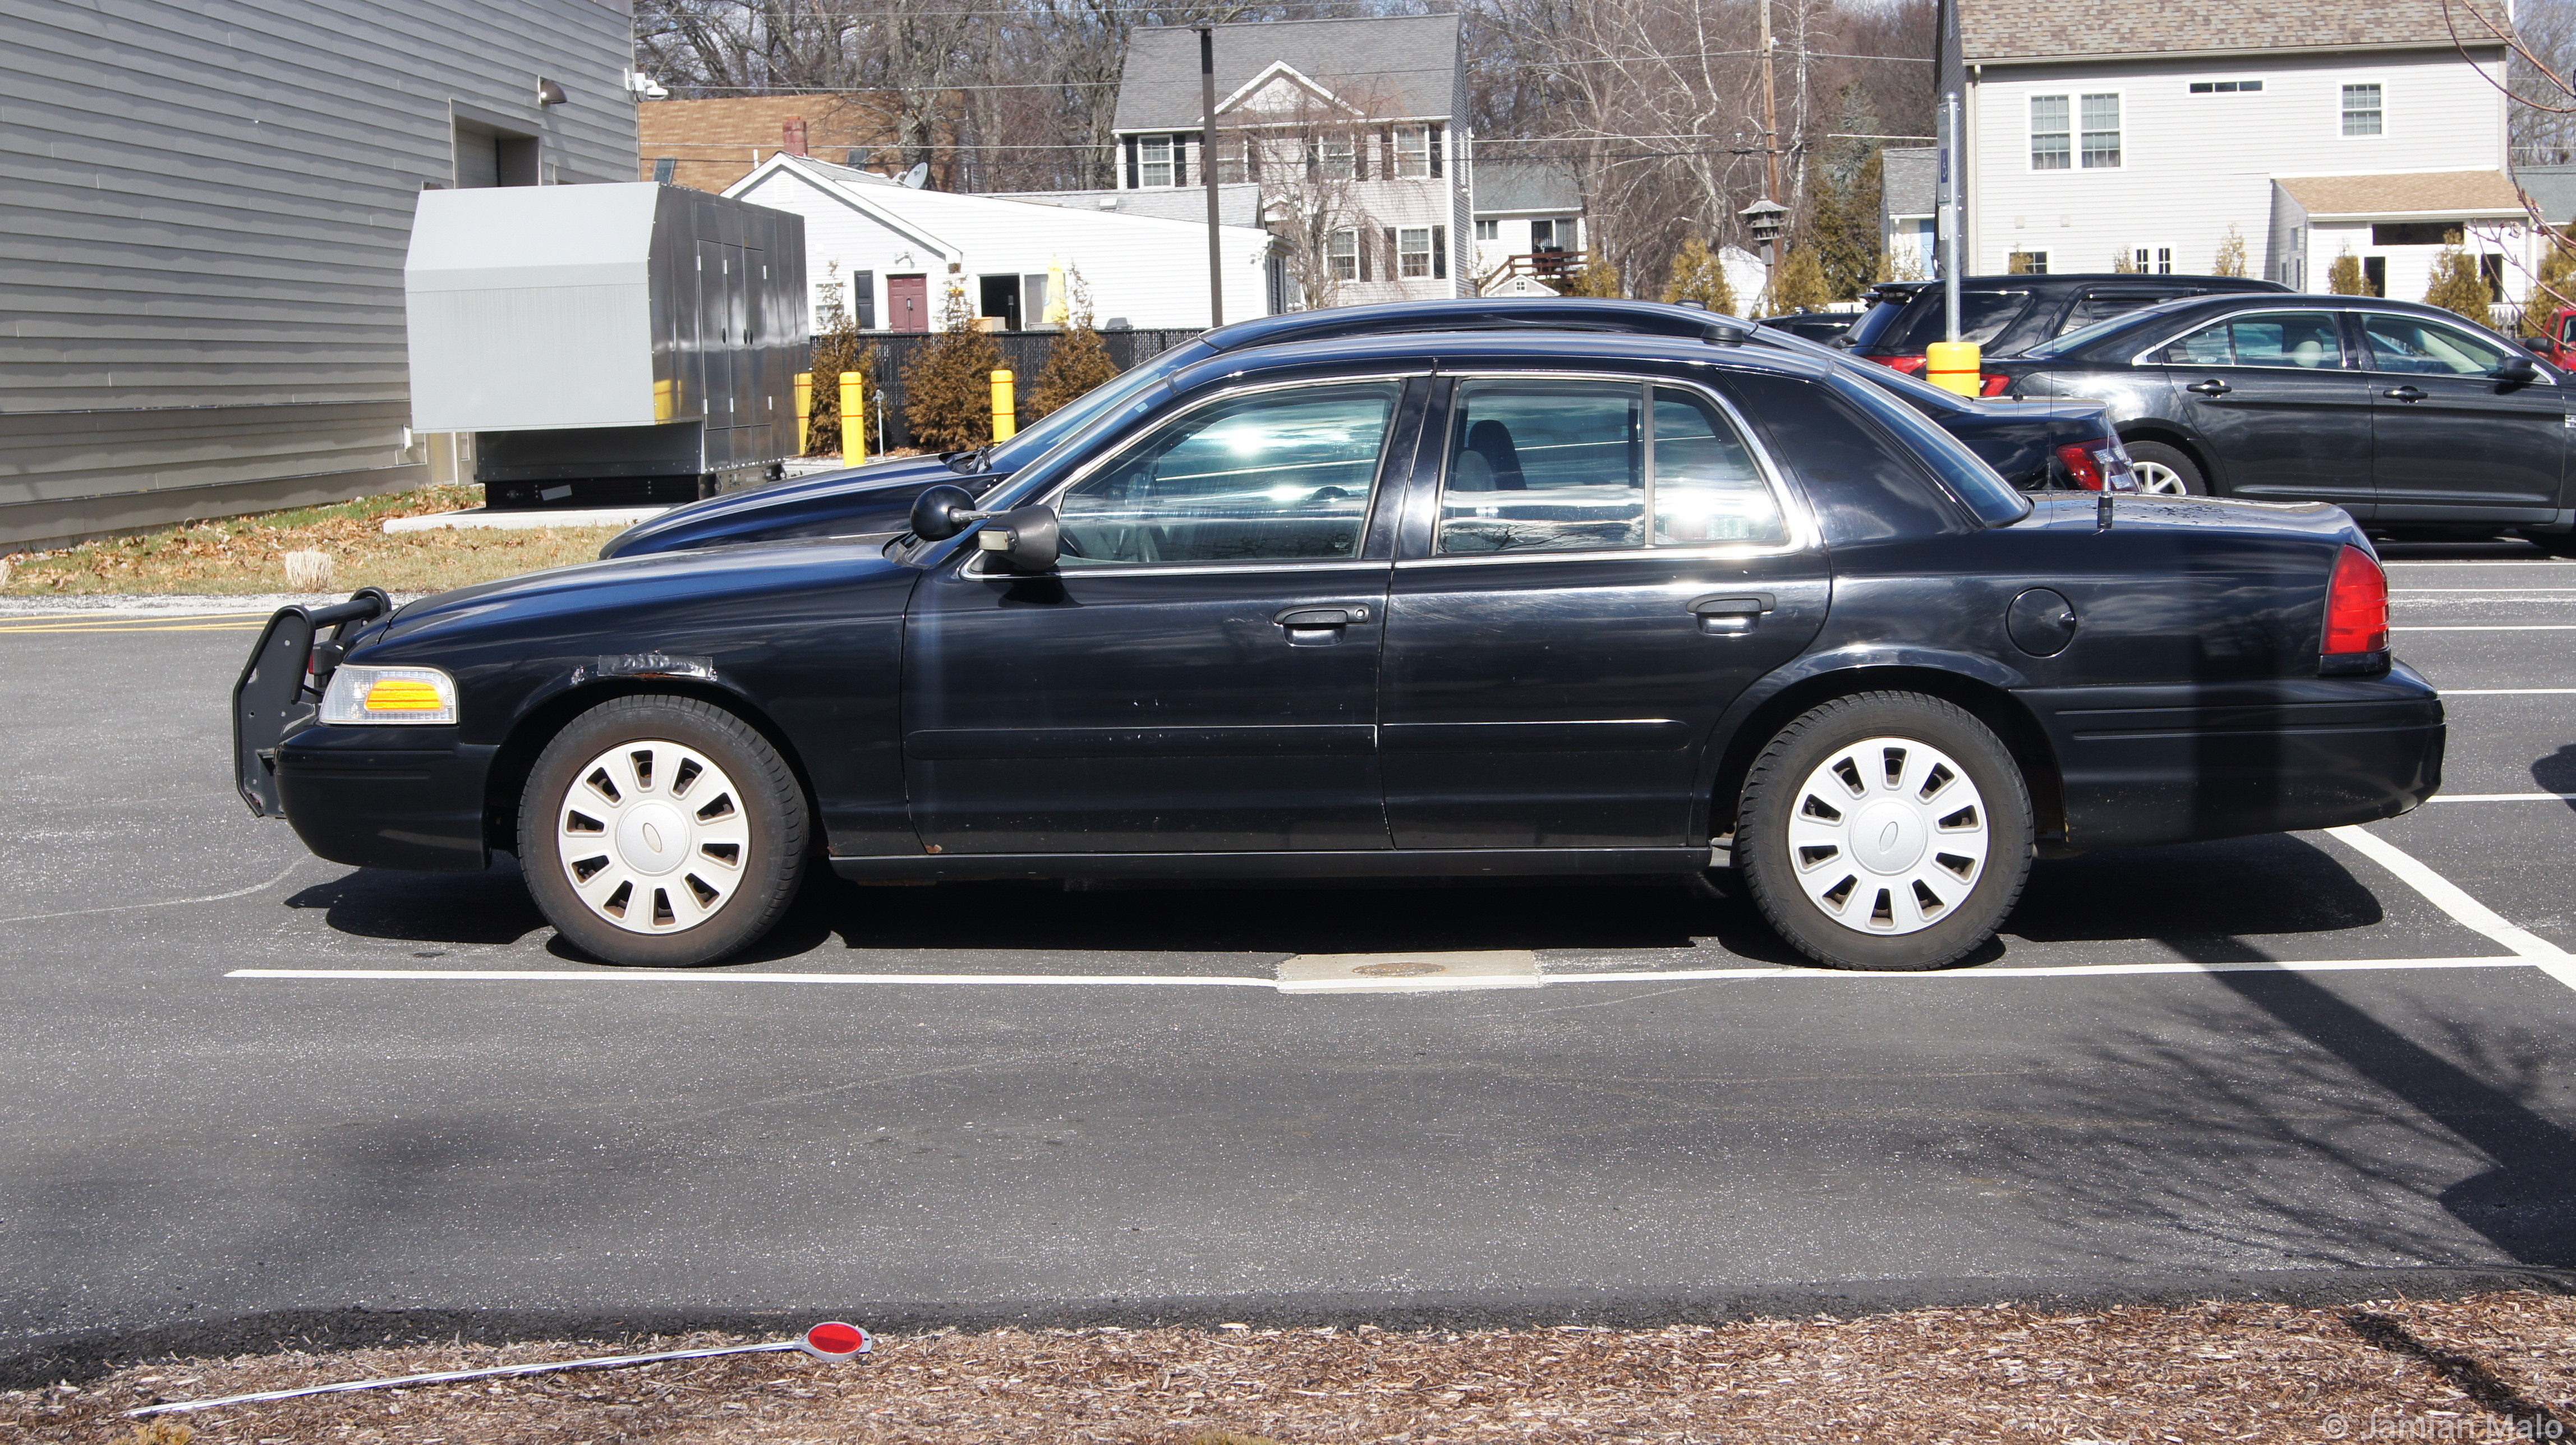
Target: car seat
column 1491, row 442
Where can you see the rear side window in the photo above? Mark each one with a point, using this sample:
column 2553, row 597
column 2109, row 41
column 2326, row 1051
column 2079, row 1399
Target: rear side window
column 1861, row 487
column 2291, row 340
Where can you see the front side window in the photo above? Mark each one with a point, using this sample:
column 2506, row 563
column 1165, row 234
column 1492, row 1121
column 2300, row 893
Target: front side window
column 1413, row 150
column 1344, row 253
column 2049, row 132
column 1413, row 251
column 1273, row 476
column 2299, row 340
column 2362, row 113
column 1154, row 160
column 1553, row 466
column 2101, row 132
column 2428, row 348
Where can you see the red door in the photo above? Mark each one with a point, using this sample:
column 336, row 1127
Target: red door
column 907, row 303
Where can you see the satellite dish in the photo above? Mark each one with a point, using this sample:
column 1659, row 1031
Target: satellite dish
column 918, row 176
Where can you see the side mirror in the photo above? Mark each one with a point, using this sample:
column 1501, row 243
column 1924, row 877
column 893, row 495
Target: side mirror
column 941, row 512
column 1023, row 539
column 2518, row 370
column 2539, row 344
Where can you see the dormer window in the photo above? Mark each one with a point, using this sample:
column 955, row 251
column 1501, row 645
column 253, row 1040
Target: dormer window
column 1154, row 160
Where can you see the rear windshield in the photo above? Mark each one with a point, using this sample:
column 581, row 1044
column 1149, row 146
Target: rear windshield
column 1983, row 315
column 1880, row 316
column 1994, row 501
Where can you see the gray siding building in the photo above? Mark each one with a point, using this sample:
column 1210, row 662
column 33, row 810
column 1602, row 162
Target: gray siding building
column 203, row 213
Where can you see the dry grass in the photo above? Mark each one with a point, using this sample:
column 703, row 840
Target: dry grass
column 251, row 554
column 2492, row 1367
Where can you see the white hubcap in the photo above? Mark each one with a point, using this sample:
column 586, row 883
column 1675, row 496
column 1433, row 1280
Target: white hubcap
column 2157, row 477
column 652, row 836
column 1888, row 836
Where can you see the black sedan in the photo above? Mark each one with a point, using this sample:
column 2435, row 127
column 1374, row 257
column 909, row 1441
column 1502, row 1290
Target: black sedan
column 2034, row 444
column 1413, row 605
column 2406, row 416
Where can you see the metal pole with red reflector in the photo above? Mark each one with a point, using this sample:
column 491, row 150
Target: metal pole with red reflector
column 832, row 1341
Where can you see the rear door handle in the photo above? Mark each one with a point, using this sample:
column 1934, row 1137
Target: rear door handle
column 1730, row 612
column 2211, row 388
column 2406, row 393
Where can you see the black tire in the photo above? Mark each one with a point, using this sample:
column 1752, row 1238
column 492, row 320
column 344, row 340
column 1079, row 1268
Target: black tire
column 767, row 838
column 1776, row 791
column 2185, row 471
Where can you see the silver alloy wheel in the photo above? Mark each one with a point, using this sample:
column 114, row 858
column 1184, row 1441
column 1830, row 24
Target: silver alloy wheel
column 1888, row 836
column 651, row 835
column 2159, row 478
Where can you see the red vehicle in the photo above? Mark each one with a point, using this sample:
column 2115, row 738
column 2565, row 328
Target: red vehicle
column 2558, row 348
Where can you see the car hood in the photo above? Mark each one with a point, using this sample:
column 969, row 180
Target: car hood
column 851, row 574
column 873, row 498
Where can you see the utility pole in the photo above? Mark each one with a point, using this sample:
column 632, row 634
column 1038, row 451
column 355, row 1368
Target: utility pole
column 1207, row 165
column 1770, row 117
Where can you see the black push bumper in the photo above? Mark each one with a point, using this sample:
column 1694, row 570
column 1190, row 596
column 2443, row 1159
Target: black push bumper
column 2174, row 764
column 279, row 689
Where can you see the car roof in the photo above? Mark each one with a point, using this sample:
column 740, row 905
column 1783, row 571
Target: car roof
column 1493, row 313
column 1514, row 347
column 2024, row 281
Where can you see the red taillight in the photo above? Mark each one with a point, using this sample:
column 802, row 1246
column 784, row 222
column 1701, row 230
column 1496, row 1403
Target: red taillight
column 1995, row 385
column 1910, row 365
column 2082, row 465
column 2356, row 606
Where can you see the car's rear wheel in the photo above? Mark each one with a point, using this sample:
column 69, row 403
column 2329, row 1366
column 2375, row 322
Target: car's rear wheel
column 2167, row 471
column 1886, row 831
column 661, row 831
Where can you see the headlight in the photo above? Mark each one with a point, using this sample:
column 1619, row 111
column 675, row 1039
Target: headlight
column 376, row 696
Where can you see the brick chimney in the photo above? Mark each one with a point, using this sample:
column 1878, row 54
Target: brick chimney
column 792, row 135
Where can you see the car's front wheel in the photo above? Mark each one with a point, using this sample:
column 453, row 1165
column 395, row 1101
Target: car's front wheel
column 1885, row 831
column 2166, row 471
column 661, row 831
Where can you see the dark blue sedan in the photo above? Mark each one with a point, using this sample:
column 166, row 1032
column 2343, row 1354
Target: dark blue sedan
column 1503, row 602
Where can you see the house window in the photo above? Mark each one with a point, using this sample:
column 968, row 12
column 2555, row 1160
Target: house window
column 2027, row 263
column 1413, row 150
column 1489, row 230
column 1154, row 160
column 1238, row 160
column 2374, row 275
column 2415, row 233
column 2491, row 268
column 2049, row 132
column 2224, row 87
column 1413, row 251
column 2101, row 132
column 1343, row 250
column 2361, row 110
column 2151, row 260
column 664, row 168
column 1556, row 235
column 1340, row 158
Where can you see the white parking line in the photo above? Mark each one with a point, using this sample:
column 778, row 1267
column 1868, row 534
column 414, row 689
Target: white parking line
column 2505, row 691
column 2494, row 627
column 2468, row 912
column 2504, row 797
column 2513, row 590
column 2482, row 562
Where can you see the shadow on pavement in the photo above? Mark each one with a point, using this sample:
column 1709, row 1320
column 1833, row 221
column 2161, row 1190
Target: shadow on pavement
column 2228, row 891
column 2556, row 773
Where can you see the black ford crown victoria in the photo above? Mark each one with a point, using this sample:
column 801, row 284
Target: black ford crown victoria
column 1434, row 605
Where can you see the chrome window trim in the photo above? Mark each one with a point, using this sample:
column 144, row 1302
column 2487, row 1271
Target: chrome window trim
column 974, row 567
column 2141, row 358
column 1793, row 511
column 1377, row 488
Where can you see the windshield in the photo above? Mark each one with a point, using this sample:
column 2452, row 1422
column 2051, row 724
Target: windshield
column 1074, row 418
column 1994, row 501
column 2082, row 337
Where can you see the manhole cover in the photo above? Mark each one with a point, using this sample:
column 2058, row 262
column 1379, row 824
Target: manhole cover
column 1403, row 968
column 1429, row 971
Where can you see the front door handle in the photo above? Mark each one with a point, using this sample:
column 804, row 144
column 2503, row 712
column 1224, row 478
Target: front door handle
column 2406, row 393
column 2212, row 388
column 1318, row 626
column 1726, row 613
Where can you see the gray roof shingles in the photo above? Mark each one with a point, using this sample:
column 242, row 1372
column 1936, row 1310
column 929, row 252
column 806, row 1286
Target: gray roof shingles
column 1991, row 30
column 1412, row 60
column 1526, row 186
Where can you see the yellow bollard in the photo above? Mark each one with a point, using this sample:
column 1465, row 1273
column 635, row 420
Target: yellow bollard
column 1952, row 366
column 1006, row 407
column 854, row 420
column 804, row 411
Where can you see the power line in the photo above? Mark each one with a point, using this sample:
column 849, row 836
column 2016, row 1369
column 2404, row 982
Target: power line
column 755, row 91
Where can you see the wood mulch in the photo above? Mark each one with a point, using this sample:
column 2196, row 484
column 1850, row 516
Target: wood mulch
column 2489, row 1367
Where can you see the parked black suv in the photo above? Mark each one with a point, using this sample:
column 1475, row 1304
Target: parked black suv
column 2007, row 315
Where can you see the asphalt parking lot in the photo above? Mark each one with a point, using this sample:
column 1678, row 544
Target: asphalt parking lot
column 251, row 1093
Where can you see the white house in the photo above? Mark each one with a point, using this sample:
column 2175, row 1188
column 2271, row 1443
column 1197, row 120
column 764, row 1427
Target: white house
column 1364, row 116
column 897, row 250
column 1529, row 221
column 2145, row 133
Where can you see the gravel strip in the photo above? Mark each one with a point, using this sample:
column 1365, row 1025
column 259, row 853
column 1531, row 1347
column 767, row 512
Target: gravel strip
column 2488, row 1367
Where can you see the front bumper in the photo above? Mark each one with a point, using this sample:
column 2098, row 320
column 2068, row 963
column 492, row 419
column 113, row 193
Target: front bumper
column 370, row 797
column 2182, row 762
